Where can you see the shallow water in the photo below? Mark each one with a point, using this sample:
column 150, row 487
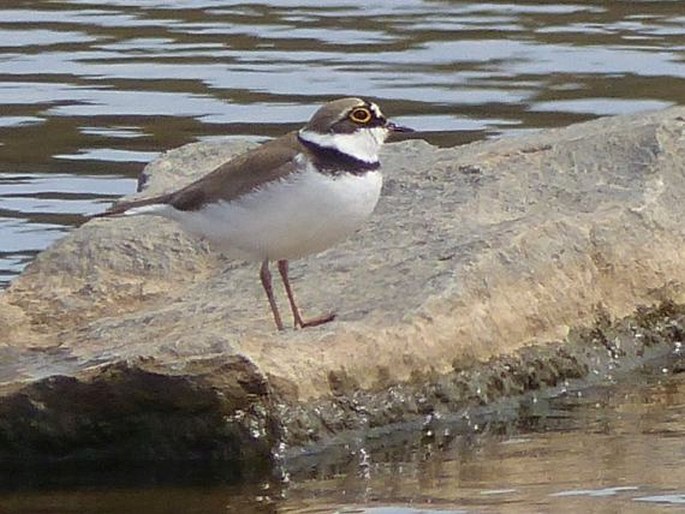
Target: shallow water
column 90, row 91
column 615, row 448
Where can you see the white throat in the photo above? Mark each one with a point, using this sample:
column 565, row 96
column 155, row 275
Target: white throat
column 363, row 145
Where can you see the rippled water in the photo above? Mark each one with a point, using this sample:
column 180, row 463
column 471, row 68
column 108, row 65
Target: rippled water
column 90, row 91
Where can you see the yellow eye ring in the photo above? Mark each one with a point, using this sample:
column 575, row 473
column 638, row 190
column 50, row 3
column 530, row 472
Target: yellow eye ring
column 361, row 115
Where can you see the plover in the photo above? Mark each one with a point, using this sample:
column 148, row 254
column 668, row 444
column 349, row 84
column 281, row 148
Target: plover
column 290, row 197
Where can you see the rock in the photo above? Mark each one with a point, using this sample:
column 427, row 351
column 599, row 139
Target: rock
column 474, row 253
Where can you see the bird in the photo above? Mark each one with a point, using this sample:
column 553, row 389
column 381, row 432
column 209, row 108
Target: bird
column 292, row 196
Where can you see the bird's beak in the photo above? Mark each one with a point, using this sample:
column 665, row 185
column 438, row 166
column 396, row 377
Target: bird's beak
column 394, row 127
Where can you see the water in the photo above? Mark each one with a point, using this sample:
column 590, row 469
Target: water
column 615, row 448
column 90, row 91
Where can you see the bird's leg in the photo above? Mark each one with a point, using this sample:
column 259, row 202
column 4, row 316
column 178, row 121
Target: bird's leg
column 283, row 270
column 265, row 276
column 297, row 317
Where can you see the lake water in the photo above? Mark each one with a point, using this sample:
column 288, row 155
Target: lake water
column 91, row 91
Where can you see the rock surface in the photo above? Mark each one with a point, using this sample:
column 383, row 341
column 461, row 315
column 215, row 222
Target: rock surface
column 127, row 330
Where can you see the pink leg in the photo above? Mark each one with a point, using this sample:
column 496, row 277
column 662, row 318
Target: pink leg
column 299, row 322
column 265, row 276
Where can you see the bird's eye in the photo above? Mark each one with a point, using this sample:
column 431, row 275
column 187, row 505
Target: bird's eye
column 361, row 115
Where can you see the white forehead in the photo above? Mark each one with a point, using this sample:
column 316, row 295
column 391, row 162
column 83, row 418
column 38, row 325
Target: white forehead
column 375, row 110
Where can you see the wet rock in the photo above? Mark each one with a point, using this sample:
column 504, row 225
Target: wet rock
column 128, row 334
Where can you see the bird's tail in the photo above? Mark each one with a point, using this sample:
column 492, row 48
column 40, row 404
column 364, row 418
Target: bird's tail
column 154, row 205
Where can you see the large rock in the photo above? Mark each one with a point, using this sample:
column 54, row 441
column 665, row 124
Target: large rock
column 128, row 334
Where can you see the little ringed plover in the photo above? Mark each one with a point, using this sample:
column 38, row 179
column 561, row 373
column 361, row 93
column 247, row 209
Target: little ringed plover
column 290, row 197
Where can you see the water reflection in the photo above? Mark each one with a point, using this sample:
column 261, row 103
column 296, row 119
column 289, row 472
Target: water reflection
column 611, row 449
column 90, row 88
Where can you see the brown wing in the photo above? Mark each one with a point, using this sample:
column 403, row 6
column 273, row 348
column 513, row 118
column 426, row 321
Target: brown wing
column 237, row 176
column 240, row 175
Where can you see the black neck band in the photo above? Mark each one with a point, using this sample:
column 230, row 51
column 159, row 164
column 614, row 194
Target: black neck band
column 333, row 161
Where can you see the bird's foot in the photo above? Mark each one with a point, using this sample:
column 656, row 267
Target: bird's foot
column 315, row 322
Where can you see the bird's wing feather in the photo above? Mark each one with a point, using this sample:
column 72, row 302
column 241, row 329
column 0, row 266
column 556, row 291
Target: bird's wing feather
column 240, row 175
column 237, row 176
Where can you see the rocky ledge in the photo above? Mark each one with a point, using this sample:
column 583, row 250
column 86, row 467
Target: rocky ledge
column 487, row 271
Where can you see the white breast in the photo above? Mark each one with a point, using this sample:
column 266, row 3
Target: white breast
column 301, row 214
